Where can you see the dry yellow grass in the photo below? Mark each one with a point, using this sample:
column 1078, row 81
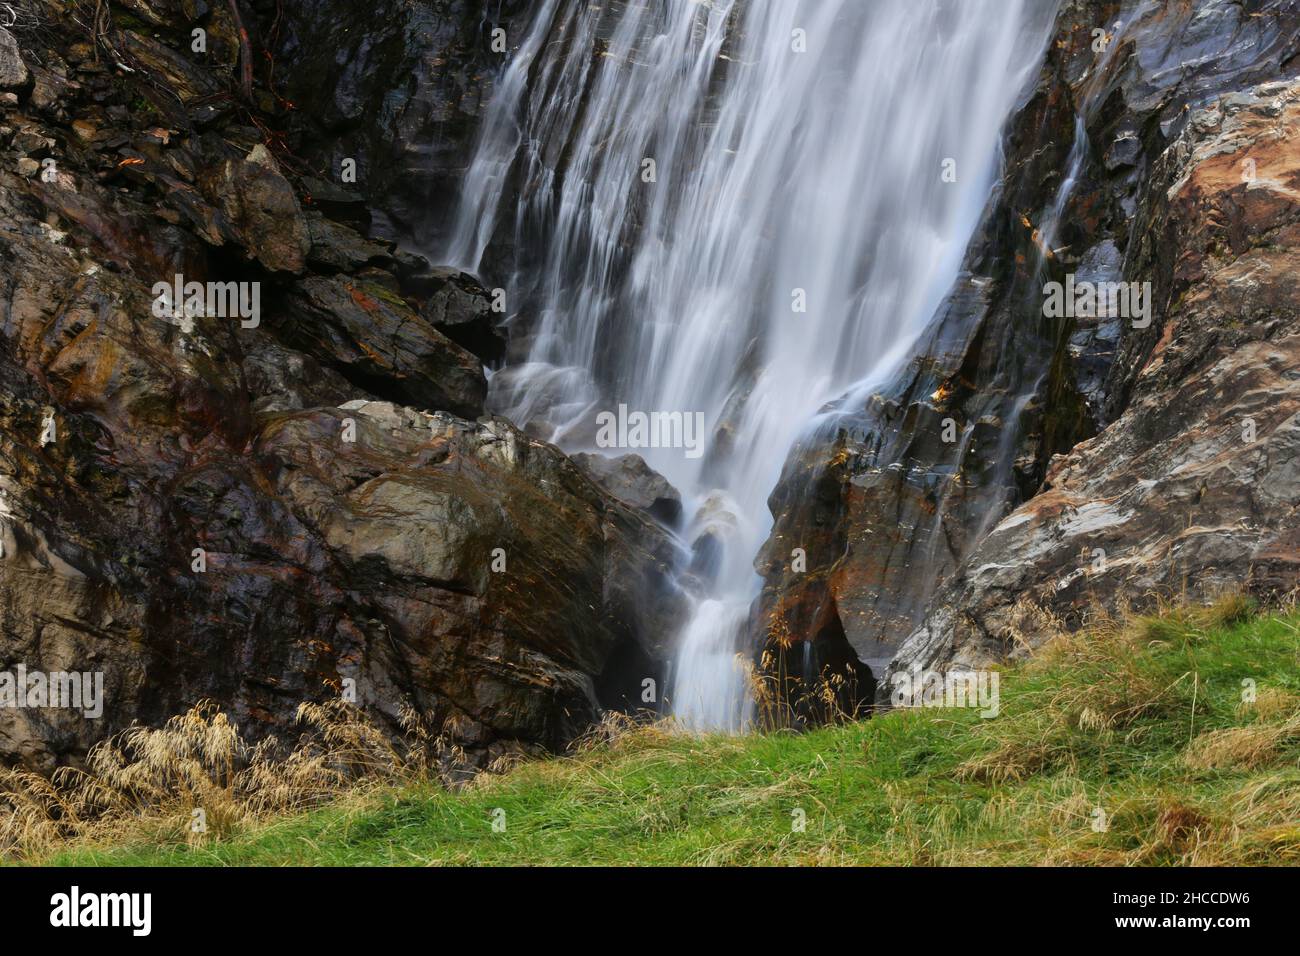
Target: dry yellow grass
column 197, row 779
column 1247, row 748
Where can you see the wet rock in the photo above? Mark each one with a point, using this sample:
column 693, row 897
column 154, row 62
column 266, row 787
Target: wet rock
column 1192, row 490
column 460, row 308
column 1124, row 151
column 229, row 513
column 1172, row 500
column 368, row 334
column 878, row 507
column 194, row 94
column 495, row 538
column 633, row 482
column 894, row 497
column 30, row 140
column 337, row 248
column 158, row 13
column 399, row 88
column 458, row 567
column 712, row 530
column 1095, row 340
column 337, row 202
column 281, row 379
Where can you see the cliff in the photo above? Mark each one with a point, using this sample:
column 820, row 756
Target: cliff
column 1027, row 467
column 286, row 498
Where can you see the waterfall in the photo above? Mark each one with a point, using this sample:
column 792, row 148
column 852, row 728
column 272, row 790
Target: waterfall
column 734, row 208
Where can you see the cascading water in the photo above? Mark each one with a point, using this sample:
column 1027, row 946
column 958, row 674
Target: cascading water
column 739, row 208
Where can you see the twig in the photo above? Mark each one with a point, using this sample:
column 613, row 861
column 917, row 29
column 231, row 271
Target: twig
column 245, row 52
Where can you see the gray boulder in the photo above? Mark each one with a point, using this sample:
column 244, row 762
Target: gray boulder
column 13, row 71
column 633, row 482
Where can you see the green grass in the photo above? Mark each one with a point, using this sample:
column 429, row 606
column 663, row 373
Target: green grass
column 1146, row 723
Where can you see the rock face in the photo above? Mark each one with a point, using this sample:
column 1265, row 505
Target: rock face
column 264, row 512
column 1195, row 488
column 1027, row 463
column 470, row 543
column 460, row 308
column 888, row 498
column 398, row 87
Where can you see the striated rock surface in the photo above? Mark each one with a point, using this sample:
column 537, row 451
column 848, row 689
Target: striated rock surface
column 1195, row 488
column 284, row 506
column 372, row 337
column 398, row 87
column 259, row 210
column 1125, row 164
column 455, row 304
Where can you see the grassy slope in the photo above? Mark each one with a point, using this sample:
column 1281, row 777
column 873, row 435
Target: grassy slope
column 1140, row 723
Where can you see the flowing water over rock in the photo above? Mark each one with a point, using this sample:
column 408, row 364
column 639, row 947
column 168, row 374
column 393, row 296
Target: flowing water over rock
column 734, row 209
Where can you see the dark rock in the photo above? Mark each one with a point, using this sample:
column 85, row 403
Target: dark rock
column 337, row 202
column 888, row 510
column 325, row 561
column 487, row 539
column 369, row 335
column 1124, row 151
column 456, row 305
column 187, row 92
column 398, row 87
column 336, row 248
column 280, row 380
column 885, row 501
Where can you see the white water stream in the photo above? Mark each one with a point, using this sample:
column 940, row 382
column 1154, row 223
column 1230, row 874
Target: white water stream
column 799, row 151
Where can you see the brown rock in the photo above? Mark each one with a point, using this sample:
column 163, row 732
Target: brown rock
column 261, row 211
